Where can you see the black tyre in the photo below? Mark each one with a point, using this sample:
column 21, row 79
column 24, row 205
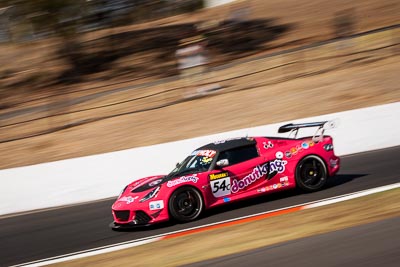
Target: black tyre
column 311, row 174
column 185, row 204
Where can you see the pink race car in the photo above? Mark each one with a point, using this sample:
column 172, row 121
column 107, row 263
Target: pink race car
column 227, row 171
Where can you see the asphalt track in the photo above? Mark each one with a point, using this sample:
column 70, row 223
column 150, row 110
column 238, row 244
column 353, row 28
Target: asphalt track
column 55, row 232
column 369, row 245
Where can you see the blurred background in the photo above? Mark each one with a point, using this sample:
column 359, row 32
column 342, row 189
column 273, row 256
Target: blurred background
column 81, row 77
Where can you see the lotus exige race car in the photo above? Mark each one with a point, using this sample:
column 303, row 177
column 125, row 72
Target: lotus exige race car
column 227, row 171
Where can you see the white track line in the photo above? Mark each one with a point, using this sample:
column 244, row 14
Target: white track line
column 352, row 196
column 142, row 241
column 84, row 254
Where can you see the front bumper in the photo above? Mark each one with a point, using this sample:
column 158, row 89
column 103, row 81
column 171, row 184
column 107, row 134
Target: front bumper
column 136, row 217
column 130, row 225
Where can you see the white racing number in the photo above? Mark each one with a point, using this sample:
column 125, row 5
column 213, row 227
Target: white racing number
column 220, row 184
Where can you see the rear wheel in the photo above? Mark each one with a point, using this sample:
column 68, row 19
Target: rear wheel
column 311, row 173
column 185, row 204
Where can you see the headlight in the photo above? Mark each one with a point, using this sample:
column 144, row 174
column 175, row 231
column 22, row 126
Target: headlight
column 328, row 147
column 151, row 194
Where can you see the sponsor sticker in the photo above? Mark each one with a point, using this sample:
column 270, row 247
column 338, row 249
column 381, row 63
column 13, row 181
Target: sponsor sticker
column 226, row 140
column 128, row 199
column 294, row 150
column 227, row 199
column 261, row 190
column 156, row 205
column 216, row 176
column 283, row 179
column 155, row 182
column 220, row 184
column 305, row 145
column 269, row 188
column 183, row 179
column 268, row 145
column 204, row 153
column 272, row 187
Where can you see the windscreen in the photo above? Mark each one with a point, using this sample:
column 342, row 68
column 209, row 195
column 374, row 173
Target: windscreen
column 198, row 161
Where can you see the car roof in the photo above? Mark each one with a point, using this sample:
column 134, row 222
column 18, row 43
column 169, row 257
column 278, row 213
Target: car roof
column 229, row 144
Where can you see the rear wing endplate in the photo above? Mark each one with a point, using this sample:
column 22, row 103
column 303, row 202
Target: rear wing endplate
column 321, row 126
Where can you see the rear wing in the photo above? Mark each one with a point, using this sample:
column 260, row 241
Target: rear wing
column 321, row 126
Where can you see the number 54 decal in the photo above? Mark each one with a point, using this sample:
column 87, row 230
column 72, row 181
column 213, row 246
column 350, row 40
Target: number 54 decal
column 220, row 184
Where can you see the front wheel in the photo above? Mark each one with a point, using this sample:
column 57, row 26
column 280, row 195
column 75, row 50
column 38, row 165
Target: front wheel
column 185, row 204
column 311, row 173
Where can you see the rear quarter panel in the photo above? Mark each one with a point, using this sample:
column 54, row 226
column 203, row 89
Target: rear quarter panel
column 294, row 150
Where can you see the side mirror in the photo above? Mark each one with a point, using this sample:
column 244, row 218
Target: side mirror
column 222, row 163
column 178, row 165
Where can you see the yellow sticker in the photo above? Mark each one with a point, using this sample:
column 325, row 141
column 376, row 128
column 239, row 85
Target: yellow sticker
column 216, row 176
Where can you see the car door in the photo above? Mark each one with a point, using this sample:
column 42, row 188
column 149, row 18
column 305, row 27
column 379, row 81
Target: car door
column 244, row 171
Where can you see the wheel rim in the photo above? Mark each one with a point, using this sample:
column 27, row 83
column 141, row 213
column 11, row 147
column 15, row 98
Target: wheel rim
column 187, row 204
column 312, row 172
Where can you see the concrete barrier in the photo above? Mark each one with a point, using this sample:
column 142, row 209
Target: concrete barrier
column 104, row 175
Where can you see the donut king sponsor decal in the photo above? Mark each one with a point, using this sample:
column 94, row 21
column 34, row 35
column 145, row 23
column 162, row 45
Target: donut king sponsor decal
column 275, row 166
column 183, row 179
